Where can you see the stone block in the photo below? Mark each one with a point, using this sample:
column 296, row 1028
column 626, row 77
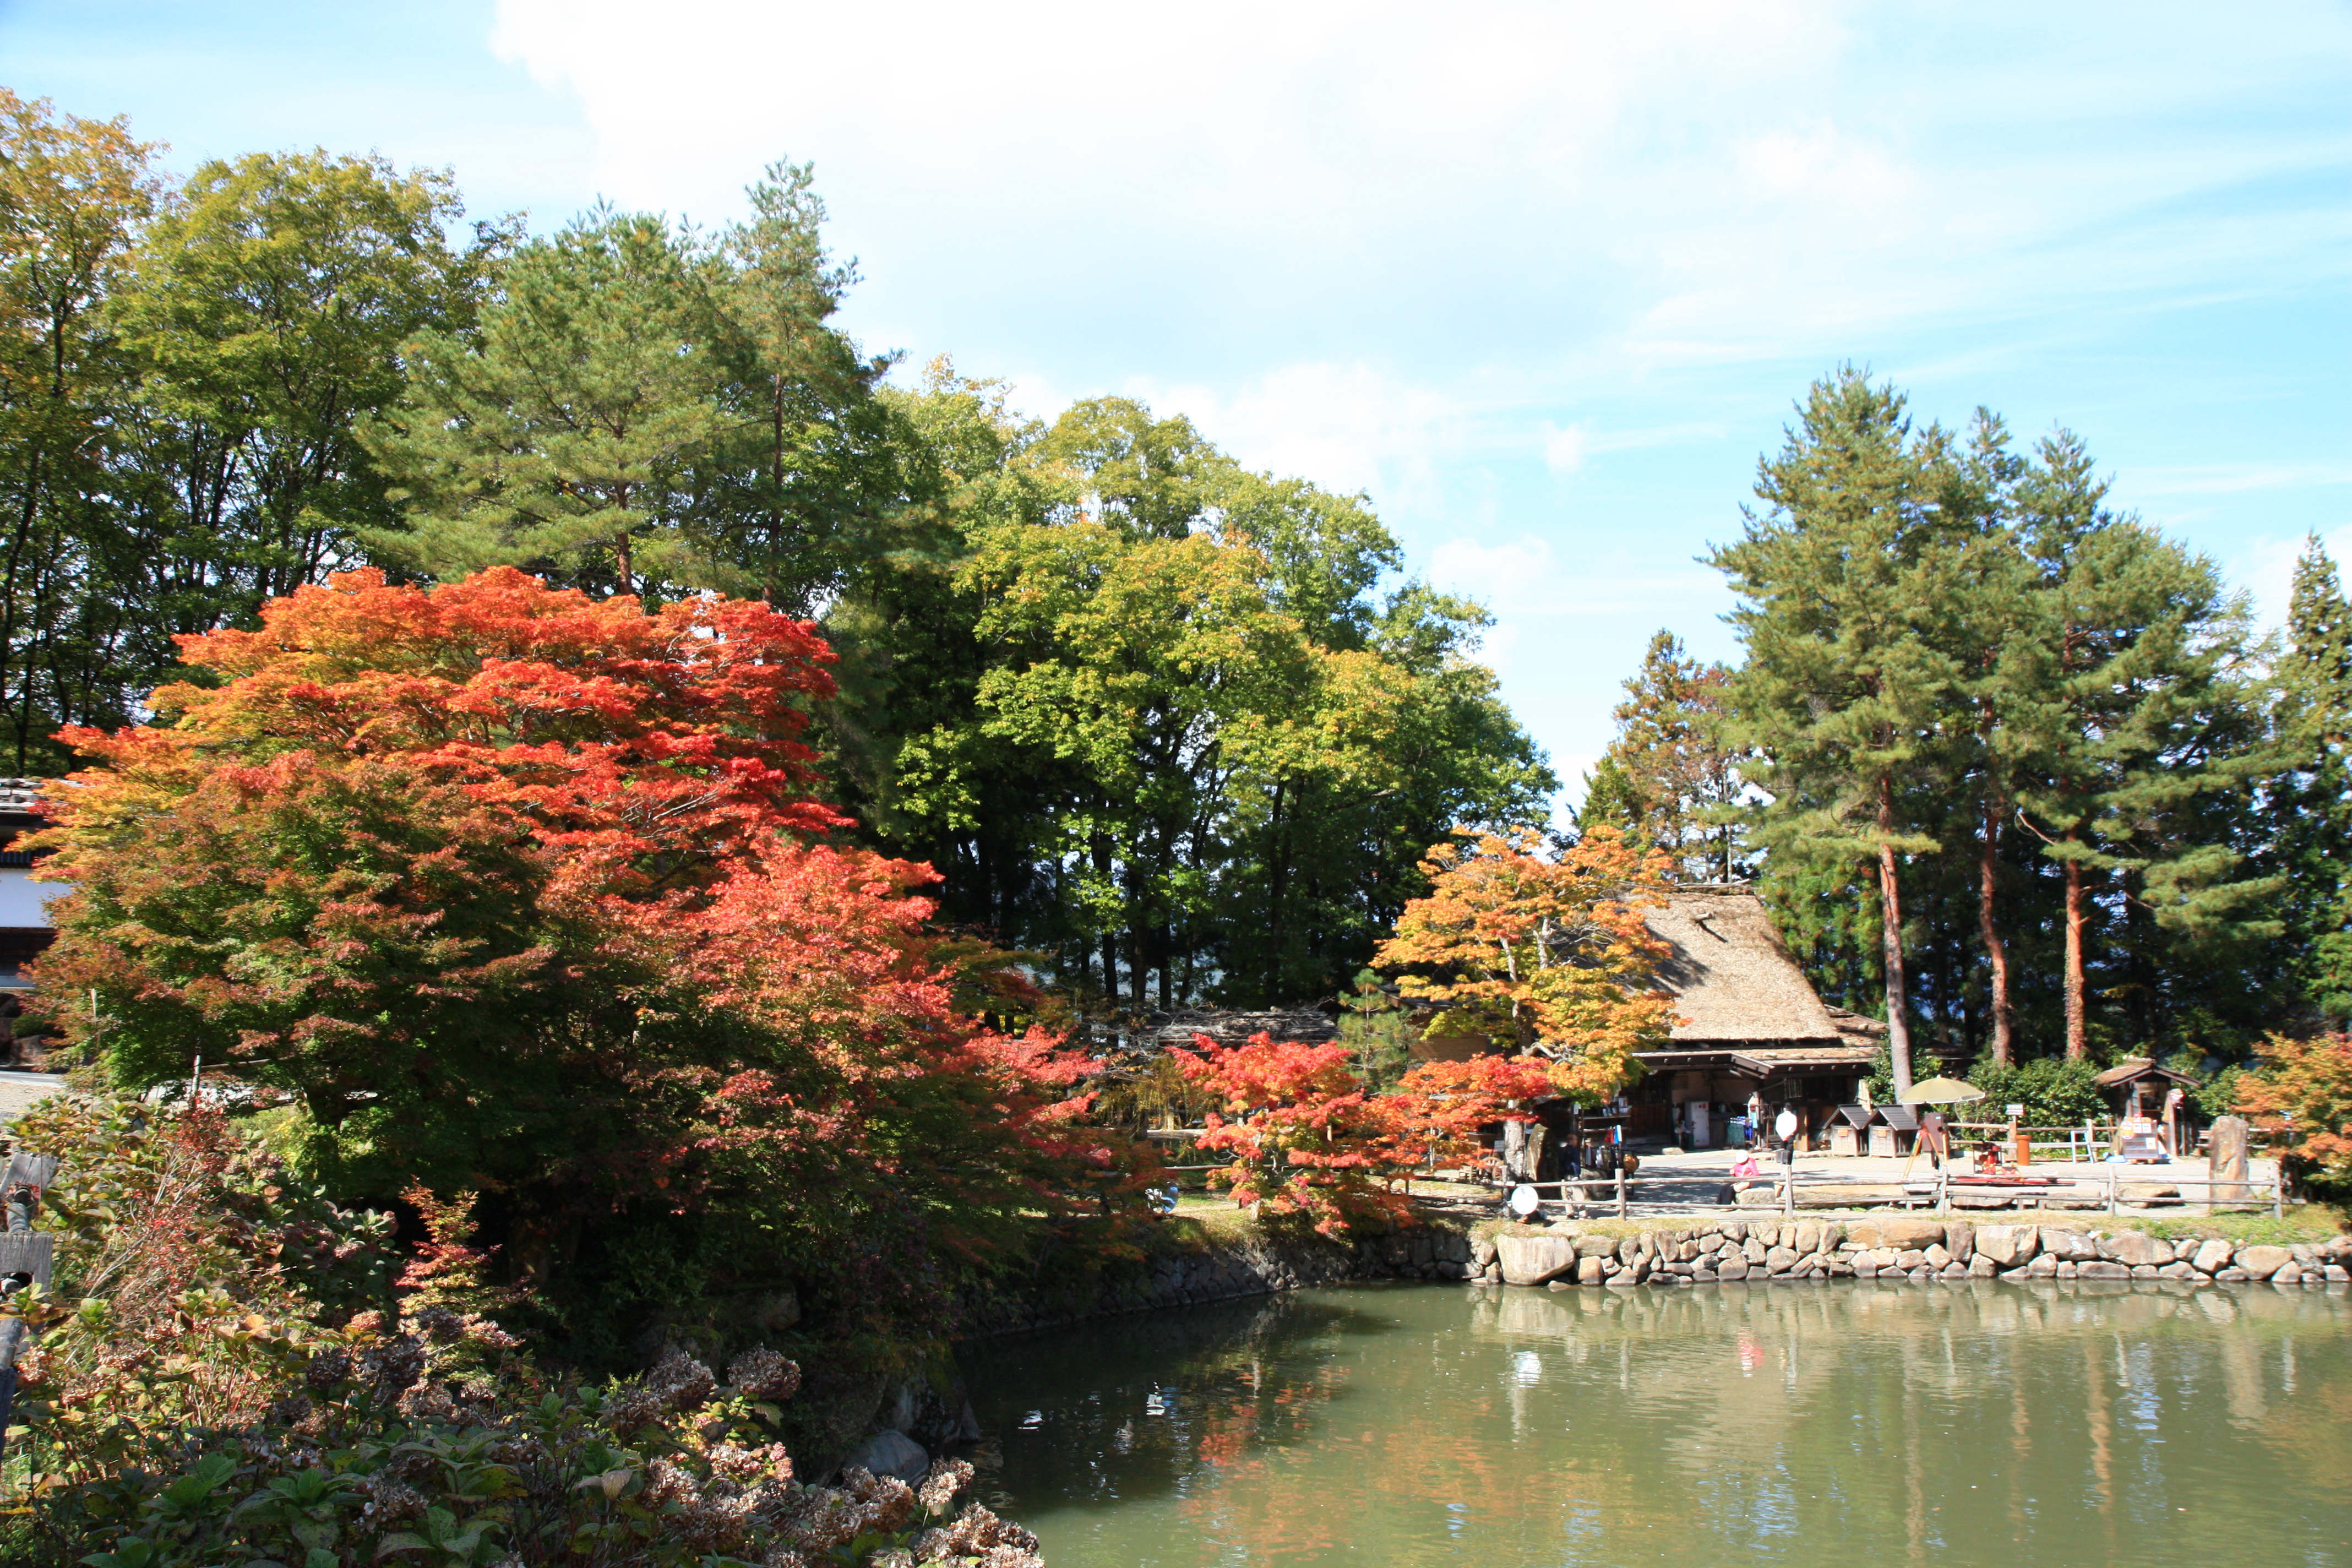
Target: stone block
column 1981, row 1268
column 1482, row 1251
column 1809, row 1236
column 2262, row 1262
column 2289, row 1273
column 2068, row 1268
column 1733, row 1269
column 2042, row 1265
column 1534, row 1259
column 2233, row 1275
column 1596, row 1246
column 2212, row 1255
column 2133, row 1248
column 1936, row 1256
column 2175, row 1270
column 2068, row 1246
column 2336, row 1274
column 1900, row 1233
column 2142, row 1270
column 2101, row 1268
column 1980, row 1198
column 1591, row 1270
column 2007, row 1245
column 1780, row 1259
column 1910, row 1259
column 1961, row 1241
column 1753, row 1249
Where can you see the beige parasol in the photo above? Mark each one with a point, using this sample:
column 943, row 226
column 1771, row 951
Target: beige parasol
column 1940, row 1091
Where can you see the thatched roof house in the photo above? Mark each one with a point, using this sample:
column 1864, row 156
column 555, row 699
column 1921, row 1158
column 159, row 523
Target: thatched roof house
column 1747, row 1020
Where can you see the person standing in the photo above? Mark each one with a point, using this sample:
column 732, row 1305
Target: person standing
column 1784, row 1127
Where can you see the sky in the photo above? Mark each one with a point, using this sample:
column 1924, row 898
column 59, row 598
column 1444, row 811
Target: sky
column 1544, row 280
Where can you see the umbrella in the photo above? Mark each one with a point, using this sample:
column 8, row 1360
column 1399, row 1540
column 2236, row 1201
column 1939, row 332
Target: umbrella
column 1940, row 1091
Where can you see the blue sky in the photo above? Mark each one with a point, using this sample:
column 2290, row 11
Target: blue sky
column 1543, row 279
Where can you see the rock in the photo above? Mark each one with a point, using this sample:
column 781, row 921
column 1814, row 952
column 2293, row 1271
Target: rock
column 1591, row 1271
column 891, row 1453
column 1839, row 1269
column 1534, row 1259
column 1704, row 1276
column 1832, row 1238
column 2262, row 1262
column 1780, row 1259
column 2212, row 1255
column 2007, row 1245
column 2134, row 1247
column 1981, row 1268
column 2068, row 1268
column 2175, row 1270
column 1961, row 1241
column 1560, row 1285
column 1980, row 1198
column 1953, row 1271
column 1733, row 1269
column 1901, row 1233
column 2304, row 1255
column 2336, row 1274
column 1936, row 1256
column 1482, row 1251
column 2101, row 1268
column 2068, row 1246
column 2288, row 1274
column 2229, row 1158
column 1922, row 1274
column 1753, row 1249
column 2142, row 1270
column 1910, row 1259
column 2147, row 1194
column 1809, row 1236
column 2233, row 1275
column 1596, row 1246
column 1875, row 1257
column 2041, row 1267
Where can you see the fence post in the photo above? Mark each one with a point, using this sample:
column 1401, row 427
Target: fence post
column 2278, row 1194
column 1621, row 1191
column 2113, row 1187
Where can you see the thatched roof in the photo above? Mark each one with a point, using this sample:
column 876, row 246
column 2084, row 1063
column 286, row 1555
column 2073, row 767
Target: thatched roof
column 2132, row 1067
column 1733, row 981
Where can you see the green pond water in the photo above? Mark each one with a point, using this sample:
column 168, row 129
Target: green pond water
column 1824, row 1425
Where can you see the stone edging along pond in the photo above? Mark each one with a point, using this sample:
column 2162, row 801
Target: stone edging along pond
column 1701, row 1252
column 1902, row 1248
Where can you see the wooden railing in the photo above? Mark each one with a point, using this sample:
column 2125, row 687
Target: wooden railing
column 27, row 1259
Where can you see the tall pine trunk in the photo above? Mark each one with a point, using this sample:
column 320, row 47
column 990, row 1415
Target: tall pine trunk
column 1890, row 918
column 2078, row 1043
column 1996, row 951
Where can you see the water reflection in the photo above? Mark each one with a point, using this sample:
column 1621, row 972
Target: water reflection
column 1403, row 1424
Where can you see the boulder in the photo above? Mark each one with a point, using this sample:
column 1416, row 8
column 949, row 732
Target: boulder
column 1980, row 1198
column 1981, row 1268
column 1875, row 1257
column 891, row 1453
column 1534, row 1259
column 2041, row 1267
column 1936, row 1256
column 1734, row 1267
column 2233, row 1275
column 1591, row 1270
column 1900, row 1233
column 2336, row 1274
column 2175, row 1270
column 2068, row 1246
column 2007, row 1245
column 1961, row 1241
column 1910, row 1259
column 2212, row 1255
column 2288, row 1274
column 2133, row 1248
column 1482, row 1251
column 1753, row 1249
column 2228, row 1151
column 1780, row 1259
column 2262, row 1262
column 2101, row 1268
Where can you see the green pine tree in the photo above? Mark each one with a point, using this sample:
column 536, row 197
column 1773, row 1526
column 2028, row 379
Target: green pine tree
column 2311, row 799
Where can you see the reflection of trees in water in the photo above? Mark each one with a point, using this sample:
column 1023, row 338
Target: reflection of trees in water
column 1976, row 1423
column 1137, row 1405
column 1813, row 1409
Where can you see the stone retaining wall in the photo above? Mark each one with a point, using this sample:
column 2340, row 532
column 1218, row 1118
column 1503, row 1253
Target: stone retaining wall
column 1907, row 1247
column 1253, row 1265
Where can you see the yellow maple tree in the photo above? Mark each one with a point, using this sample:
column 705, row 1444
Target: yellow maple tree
column 1540, row 952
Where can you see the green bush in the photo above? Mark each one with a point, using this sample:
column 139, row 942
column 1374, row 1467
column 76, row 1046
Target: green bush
column 2055, row 1092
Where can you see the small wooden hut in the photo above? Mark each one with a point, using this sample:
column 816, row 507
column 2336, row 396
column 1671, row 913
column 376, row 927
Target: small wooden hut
column 1749, row 1026
column 2137, row 1093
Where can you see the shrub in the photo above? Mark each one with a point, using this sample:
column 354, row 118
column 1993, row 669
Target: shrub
column 208, row 1386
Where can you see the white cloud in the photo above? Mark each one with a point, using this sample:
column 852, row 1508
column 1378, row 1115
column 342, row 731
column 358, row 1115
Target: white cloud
column 1345, row 426
column 1563, row 449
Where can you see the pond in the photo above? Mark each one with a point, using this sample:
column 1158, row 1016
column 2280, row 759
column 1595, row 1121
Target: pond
column 1983, row 1423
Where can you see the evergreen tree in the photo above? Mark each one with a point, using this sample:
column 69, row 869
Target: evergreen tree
column 2142, row 721
column 1845, row 690
column 2310, row 800
column 1668, row 777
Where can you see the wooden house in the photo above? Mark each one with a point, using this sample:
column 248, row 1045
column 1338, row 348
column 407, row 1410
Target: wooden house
column 2138, row 1092
column 1749, row 1027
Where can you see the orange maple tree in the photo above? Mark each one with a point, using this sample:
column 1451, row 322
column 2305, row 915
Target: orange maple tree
column 1308, row 1140
column 2303, row 1092
column 1540, row 952
column 518, row 891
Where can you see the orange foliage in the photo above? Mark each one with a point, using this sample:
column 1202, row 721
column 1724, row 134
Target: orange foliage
column 512, row 889
column 2304, row 1092
column 1543, row 954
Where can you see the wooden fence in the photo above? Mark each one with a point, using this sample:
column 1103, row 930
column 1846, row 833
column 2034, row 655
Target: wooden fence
column 27, row 1259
